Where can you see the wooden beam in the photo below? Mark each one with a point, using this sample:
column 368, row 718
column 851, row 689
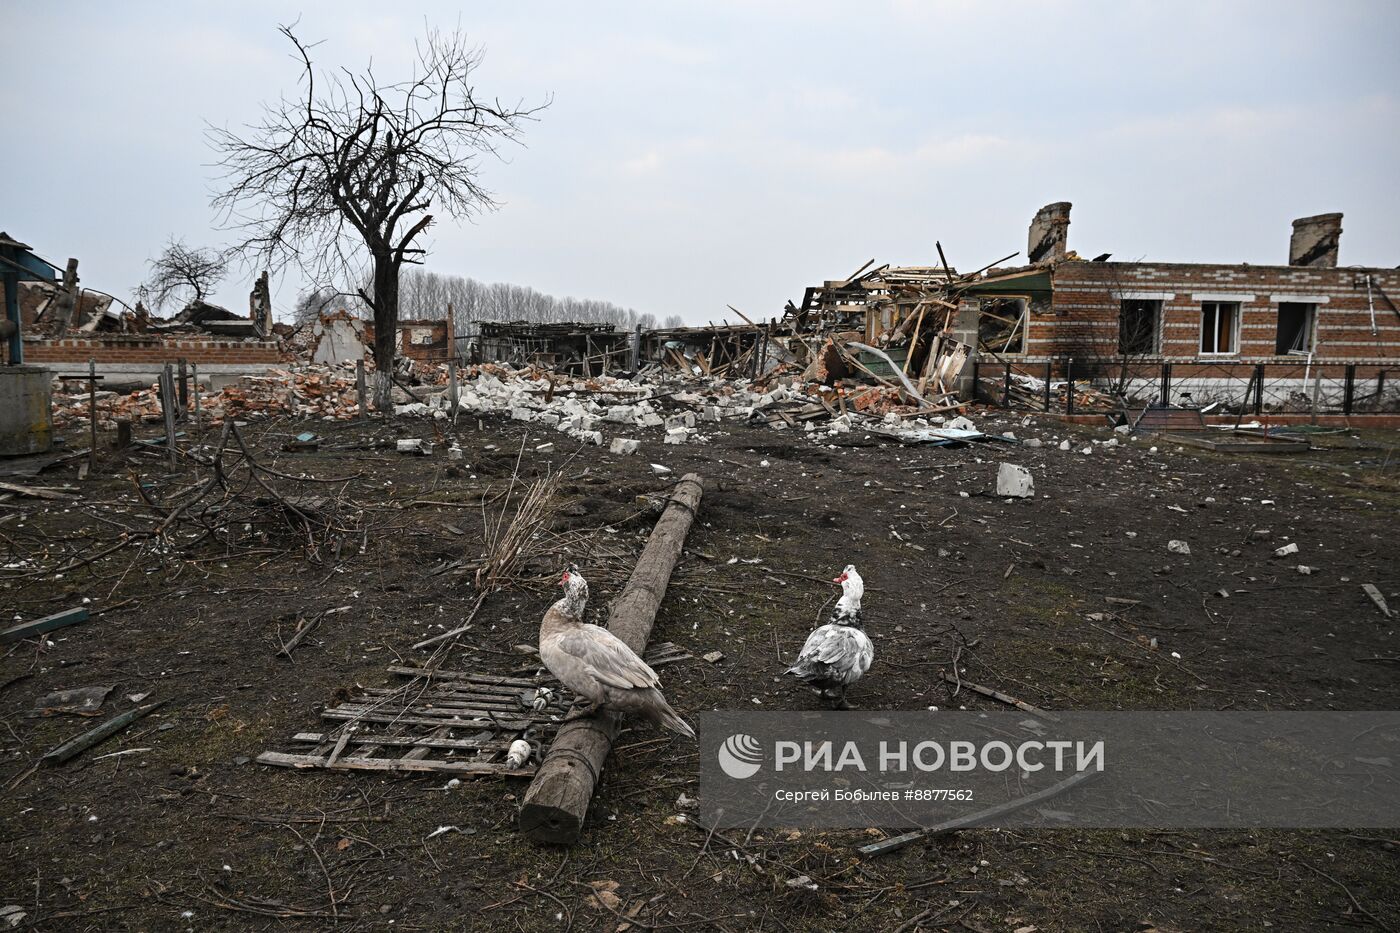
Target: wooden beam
column 81, row 743
column 978, row 818
column 558, row 797
column 46, row 624
column 35, row 492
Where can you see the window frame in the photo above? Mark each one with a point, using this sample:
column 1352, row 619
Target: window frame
column 1309, row 330
column 1158, row 314
column 1236, row 312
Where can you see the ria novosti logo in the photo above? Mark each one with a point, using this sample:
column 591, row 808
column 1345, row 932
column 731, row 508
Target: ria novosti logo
column 740, row 756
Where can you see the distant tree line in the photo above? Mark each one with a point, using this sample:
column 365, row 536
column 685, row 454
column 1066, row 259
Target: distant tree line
column 425, row 295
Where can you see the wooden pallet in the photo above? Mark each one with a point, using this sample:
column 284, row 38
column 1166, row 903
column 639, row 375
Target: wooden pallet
column 445, row 721
column 1155, row 419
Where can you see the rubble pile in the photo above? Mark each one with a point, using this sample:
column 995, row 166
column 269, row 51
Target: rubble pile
column 301, row 389
column 1026, row 391
column 683, row 409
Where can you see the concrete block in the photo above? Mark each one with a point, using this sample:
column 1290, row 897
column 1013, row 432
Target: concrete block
column 1014, row 481
column 625, row 445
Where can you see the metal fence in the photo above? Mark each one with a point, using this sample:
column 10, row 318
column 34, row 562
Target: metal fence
column 1103, row 385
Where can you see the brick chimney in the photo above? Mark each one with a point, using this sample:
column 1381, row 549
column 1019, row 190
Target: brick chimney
column 1314, row 241
column 1049, row 232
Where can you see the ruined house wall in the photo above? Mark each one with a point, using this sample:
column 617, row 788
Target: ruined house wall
column 423, row 340
column 146, row 349
column 1083, row 318
column 1082, row 323
column 137, row 358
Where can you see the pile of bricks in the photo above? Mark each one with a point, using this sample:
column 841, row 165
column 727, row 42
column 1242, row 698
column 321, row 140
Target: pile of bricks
column 306, row 390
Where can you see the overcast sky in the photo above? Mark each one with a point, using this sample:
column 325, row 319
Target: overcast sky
column 698, row 154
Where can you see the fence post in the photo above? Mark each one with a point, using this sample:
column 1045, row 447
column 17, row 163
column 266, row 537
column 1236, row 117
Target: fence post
column 452, row 384
column 1380, row 390
column 1006, row 388
column 1350, row 389
column 1166, row 383
column 1258, row 389
column 184, row 392
column 360, row 386
column 1048, row 373
column 975, row 384
column 1069, row 386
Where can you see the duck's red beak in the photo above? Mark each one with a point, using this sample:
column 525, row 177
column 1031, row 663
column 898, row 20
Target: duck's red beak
column 840, row 579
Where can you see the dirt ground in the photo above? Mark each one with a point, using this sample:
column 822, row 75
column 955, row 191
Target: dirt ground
column 190, row 833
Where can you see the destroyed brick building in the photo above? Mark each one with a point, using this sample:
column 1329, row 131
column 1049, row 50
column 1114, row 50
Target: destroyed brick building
column 62, row 326
column 1205, row 330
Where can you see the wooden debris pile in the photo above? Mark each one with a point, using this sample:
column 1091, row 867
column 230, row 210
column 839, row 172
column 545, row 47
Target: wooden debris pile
column 890, row 326
column 726, row 351
column 454, row 722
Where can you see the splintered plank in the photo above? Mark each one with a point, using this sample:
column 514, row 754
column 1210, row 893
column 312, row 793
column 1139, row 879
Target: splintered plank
column 283, row 760
column 384, row 738
column 514, row 725
column 486, row 680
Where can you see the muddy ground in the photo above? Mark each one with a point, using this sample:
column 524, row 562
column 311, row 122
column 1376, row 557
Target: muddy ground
column 190, row 833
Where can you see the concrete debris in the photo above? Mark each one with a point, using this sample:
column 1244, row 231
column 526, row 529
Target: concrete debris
column 1179, row 547
column 1015, row 481
column 1290, row 548
column 624, row 446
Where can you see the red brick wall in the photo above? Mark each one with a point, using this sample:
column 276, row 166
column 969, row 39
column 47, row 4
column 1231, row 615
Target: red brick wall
column 146, row 349
column 437, row 350
column 1083, row 319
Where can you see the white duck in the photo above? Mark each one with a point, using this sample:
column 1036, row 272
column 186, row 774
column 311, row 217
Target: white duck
column 598, row 666
column 838, row 653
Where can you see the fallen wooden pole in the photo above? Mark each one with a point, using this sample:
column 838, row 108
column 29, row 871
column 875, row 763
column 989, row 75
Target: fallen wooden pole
column 976, row 819
column 81, row 743
column 558, row 798
column 1002, row 697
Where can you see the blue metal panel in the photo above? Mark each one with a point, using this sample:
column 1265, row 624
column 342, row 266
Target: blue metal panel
column 17, row 263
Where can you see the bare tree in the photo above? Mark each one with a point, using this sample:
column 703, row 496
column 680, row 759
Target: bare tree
column 183, row 274
column 341, row 179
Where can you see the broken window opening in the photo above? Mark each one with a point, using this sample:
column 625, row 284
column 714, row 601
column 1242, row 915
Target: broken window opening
column 1137, row 326
column 1295, row 327
column 1219, row 326
column 1001, row 325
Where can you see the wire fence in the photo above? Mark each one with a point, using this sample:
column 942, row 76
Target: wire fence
column 1284, row 387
